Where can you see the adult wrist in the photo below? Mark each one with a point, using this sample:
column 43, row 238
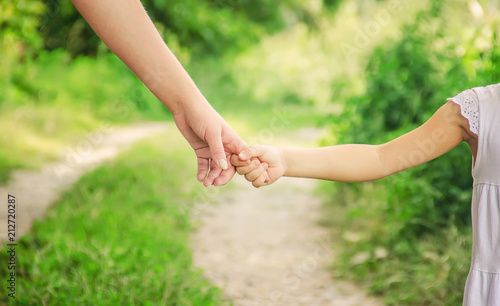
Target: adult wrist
column 188, row 104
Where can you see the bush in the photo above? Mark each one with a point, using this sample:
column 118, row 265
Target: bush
column 410, row 216
column 206, row 26
column 405, row 85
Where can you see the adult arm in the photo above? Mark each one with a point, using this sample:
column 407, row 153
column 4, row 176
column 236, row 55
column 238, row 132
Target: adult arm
column 125, row 27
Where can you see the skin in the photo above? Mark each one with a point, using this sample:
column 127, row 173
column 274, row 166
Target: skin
column 125, row 27
column 446, row 129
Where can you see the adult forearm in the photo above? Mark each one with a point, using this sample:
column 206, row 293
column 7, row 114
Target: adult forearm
column 343, row 163
column 125, row 27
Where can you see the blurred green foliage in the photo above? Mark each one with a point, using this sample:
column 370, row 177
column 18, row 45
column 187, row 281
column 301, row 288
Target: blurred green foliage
column 214, row 26
column 206, row 26
column 46, row 101
column 63, row 27
column 51, row 59
column 408, row 236
column 405, row 84
column 408, row 78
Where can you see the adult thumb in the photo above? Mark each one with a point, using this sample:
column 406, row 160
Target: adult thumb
column 217, row 150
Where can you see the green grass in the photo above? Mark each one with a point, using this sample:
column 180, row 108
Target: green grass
column 119, row 236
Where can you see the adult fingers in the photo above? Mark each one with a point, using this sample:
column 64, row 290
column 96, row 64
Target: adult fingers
column 225, row 176
column 233, row 142
column 203, row 167
column 214, row 141
column 253, row 175
column 212, row 175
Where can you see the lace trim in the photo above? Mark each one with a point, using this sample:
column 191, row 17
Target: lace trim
column 469, row 108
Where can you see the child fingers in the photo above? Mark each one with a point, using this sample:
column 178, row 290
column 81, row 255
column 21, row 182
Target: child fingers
column 267, row 179
column 235, row 161
column 246, row 154
column 253, row 175
column 203, row 167
column 254, row 151
column 260, row 181
column 252, row 165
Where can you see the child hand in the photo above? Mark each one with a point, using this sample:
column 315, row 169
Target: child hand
column 261, row 165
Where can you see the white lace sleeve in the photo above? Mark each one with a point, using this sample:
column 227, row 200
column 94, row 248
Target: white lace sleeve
column 469, row 107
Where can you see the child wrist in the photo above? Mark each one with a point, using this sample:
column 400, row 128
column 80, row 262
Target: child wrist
column 284, row 158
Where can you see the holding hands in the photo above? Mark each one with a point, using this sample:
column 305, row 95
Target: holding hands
column 213, row 142
column 262, row 165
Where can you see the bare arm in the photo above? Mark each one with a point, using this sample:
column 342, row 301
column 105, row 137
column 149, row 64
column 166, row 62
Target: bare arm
column 356, row 163
column 127, row 30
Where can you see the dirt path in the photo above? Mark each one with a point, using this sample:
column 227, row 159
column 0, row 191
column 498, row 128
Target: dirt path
column 264, row 247
column 261, row 246
column 36, row 190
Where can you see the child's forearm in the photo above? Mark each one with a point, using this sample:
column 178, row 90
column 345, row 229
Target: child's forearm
column 446, row 129
column 343, row 163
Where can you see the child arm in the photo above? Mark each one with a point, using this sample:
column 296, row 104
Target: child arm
column 357, row 163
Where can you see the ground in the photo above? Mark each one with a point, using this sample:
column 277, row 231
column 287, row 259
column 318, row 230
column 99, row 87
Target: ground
column 36, row 190
column 264, row 246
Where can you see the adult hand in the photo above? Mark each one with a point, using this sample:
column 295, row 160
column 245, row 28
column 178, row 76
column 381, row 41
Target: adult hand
column 213, row 142
column 126, row 29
